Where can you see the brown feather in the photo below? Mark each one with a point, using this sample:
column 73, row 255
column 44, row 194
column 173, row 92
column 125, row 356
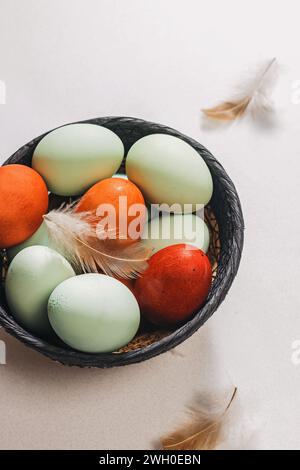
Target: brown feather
column 254, row 95
column 227, row 111
column 202, row 432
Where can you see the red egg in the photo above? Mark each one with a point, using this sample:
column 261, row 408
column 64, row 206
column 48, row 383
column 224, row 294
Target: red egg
column 175, row 284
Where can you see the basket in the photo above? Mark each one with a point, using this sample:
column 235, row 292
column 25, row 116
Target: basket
column 225, row 219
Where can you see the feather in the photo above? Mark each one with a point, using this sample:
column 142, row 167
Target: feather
column 74, row 235
column 202, row 432
column 253, row 96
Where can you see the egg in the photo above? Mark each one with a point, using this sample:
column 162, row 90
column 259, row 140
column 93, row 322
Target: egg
column 127, row 282
column 175, row 284
column 169, row 171
column 120, row 175
column 23, row 202
column 31, row 277
column 74, row 157
column 118, row 209
column 172, row 229
column 94, row 313
column 40, row 237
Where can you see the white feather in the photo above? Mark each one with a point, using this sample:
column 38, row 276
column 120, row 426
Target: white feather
column 258, row 87
column 253, row 95
column 76, row 239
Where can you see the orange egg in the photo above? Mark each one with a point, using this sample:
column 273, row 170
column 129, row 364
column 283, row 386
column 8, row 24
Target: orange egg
column 119, row 206
column 23, row 202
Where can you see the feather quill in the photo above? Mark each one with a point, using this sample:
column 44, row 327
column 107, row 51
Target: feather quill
column 76, row 239
column 202, row 432
column 253, row 96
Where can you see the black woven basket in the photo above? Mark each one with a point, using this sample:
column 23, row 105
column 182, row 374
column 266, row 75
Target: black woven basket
column 225, row 218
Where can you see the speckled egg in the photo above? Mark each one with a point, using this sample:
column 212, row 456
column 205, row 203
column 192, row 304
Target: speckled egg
column 175, row 284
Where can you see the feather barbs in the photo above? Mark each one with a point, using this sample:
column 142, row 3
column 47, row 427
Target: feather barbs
column 202, row 432
column 74, row 235
column 253, row 95
column 227, row 111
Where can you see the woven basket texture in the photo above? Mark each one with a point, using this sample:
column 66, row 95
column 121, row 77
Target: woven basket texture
column 225, row 220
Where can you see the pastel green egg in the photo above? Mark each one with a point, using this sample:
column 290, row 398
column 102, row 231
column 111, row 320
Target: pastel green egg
column 40, row 237
column 74, row 157
column 31, row 277
column 120, row 175
column 172, row 229
column 94, row 313
column 168, row 170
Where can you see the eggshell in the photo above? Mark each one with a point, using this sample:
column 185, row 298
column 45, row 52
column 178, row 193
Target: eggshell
column 127, row 282
column 120, row 175
column 126, row 202
column 173, row 229
column 74, row 157
column 40, row 237
column 175, row 284
column 170, row 171
column 94, row 313
column 31, row 277
column 23, row 202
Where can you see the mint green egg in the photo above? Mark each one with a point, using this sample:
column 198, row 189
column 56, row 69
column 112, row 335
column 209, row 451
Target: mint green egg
column 120, row 175
column 169, row 171
column 74, row 157
column 94, row 313
column 40, row 237
column 172, row 229
column 31, row 277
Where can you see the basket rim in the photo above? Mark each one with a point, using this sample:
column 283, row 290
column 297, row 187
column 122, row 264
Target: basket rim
column 103, row 360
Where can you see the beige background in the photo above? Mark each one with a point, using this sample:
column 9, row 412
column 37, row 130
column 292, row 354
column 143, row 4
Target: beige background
column 64, row 60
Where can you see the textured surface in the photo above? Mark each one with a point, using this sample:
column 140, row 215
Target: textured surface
column 226, row 207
